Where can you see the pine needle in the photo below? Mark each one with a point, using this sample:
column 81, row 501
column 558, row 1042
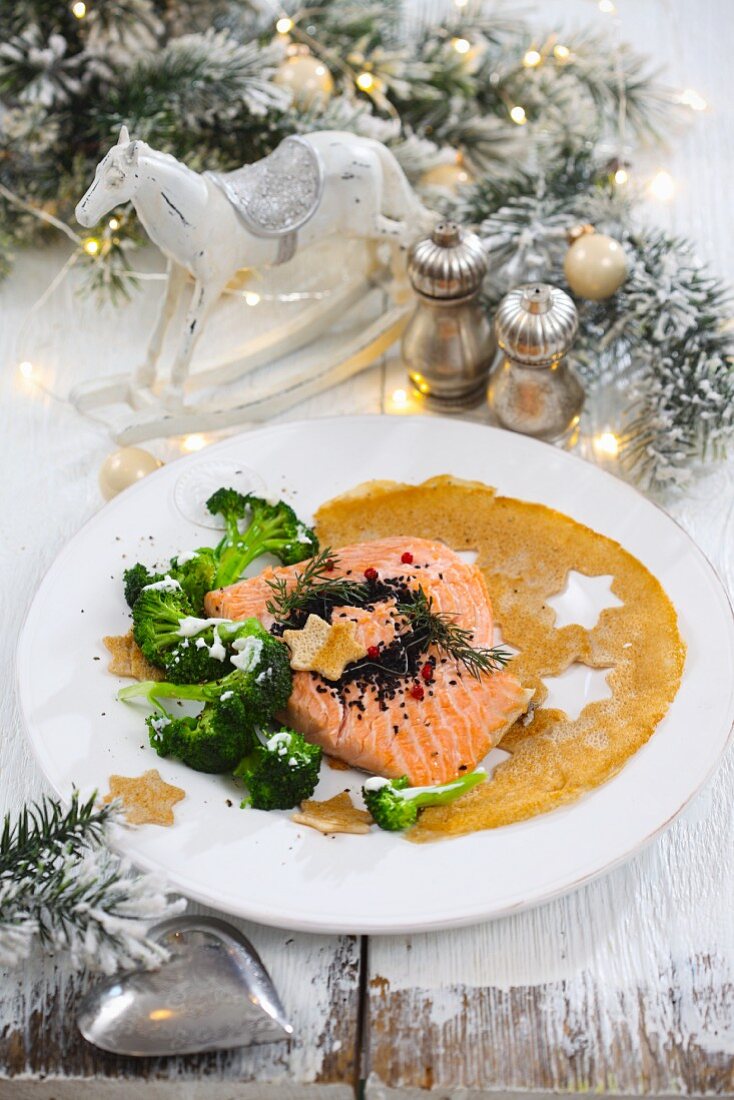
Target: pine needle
column 61, row 885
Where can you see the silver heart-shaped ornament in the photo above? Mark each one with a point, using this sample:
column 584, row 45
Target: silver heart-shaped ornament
column 213, row 993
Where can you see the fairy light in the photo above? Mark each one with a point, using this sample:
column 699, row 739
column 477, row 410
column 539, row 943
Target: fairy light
column 531, row 59
column 26, row 368
column 284, row 25
column 561, row 53
column 606, row 443
column 662, row 186
column 160, row 1014
column 461, row 45
column 193, row 443
column 690, row 98
column 91, row 246
column 607, row 7
column 365, row 82
column 621, row 177
column 79, row 9
column 518, row 116
column 251, row 298
column 399, row 399
column 114, row 223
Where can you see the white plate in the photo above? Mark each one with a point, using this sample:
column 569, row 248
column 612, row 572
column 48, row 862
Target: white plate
column 261, row 865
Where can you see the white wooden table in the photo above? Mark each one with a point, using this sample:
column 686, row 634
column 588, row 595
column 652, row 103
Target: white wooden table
column 624, row 987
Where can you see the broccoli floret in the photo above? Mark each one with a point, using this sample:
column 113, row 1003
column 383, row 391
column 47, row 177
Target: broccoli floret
column 135, row 579
column 157, row 614
column 278, row 530
column 271, row 529
column 196, row 575
column 266, row 661
column 234, row 706
column 262, row 679
column 394, row 804
column 280, row 771
column 231, row 506
column 209, row 653
column 212, row 742
column 192, row 650
column 189, row 663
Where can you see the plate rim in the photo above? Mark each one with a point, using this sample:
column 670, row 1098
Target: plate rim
column 369, row 925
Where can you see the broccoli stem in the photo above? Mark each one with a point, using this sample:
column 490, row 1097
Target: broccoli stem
column 161, row 689
column 256, row 540
column 155, row 690
column 446, row 792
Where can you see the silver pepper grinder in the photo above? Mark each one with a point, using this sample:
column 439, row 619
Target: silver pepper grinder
column 448, row 345
column 533, row 390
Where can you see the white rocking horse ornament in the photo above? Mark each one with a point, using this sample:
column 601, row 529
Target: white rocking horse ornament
column 213, row 225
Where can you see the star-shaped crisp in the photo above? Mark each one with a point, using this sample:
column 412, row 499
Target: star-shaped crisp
column 146, row 799
column 128, row 660
column 337, row 815
column 326, row 648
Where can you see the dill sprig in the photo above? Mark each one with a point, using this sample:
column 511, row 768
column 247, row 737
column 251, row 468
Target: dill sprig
column 315, row 582
column 439, row 628
column 315, row 589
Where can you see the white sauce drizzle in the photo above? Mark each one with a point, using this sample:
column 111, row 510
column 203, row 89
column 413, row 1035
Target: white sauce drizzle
column 375, row 783
column 190, row 625
column 168, row 584
column 279, row 742
column 249, row 651
column 217, row 649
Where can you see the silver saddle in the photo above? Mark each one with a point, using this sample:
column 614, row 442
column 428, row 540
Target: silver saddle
column 277, row 195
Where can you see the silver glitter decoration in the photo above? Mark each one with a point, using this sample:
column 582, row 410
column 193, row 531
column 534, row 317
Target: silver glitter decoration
column 278, row 194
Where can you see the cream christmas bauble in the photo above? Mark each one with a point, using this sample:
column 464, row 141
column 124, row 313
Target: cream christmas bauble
column 595, row 266
column 123, row 468
column 450, row 177
column 307, row 77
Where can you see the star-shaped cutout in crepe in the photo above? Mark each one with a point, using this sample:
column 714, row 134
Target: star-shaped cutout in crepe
column 326, row 648
column 147, row 799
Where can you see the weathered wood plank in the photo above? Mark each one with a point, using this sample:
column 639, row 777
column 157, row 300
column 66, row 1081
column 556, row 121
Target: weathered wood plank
column 604, row 991
column 317, row 976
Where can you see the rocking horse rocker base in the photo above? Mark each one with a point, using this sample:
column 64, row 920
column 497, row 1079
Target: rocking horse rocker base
column 134, row 415
column 326, row 185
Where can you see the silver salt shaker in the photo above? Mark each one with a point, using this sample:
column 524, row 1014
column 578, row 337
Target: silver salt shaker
column 533, row 390
column 448, row 345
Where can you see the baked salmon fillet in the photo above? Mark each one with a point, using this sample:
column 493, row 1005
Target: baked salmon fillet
column 391, row 731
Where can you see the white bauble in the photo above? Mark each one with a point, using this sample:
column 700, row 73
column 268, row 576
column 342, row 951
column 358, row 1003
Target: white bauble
column 595, row 266
column 123, row 468
column 308, row 79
